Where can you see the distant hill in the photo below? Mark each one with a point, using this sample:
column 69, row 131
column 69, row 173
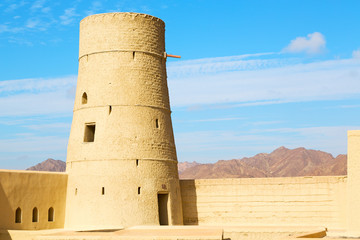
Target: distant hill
column 182, row 166
column 49, row 165
column 282, row 162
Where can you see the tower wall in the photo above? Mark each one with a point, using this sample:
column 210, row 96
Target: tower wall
column 116, row 174
column 353, row 189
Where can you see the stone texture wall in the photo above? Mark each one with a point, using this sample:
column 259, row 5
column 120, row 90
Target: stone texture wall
column 353, row 197
column 26, row 190
column 122, row 70
column 300, row 201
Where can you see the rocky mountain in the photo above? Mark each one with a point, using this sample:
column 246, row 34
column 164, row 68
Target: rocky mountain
column 282, row 162
column 49, row 165
column 182, row 166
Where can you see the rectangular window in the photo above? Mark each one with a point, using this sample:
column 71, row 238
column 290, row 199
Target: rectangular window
column 89, row 135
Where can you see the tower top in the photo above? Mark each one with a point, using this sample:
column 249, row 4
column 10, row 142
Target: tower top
column 122, row 32
column 123, row 14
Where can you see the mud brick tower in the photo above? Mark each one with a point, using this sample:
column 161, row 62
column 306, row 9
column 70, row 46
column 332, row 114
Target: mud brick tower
column 121, row 160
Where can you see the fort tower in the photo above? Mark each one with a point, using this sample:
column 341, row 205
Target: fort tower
column 121, row 160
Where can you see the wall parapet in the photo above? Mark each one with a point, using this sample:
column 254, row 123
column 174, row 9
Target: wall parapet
column 32, row 200
column 295, row 201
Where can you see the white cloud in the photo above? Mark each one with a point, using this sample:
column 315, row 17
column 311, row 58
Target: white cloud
column 211, row 146
column 6, row 28
column 259, row 82
column 216, row 119
column 356, row 54
column 15, row 6
column 94, row 8
column 68, row 17
column 46, row 9
column 38, row 4
column 32, row 23
column 29, row 97
column 314, row 43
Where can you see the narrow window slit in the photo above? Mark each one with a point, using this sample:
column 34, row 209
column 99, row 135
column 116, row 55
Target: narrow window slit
column 18, row 215
column 133, row 55
column 110, row 109
column 157, row 123
column 137, row 162
column 84, row 98
column 103, row 191
column 51, row 214
column 35, row 215
column 138, row 190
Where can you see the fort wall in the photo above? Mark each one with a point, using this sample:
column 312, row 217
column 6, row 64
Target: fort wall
column 353, row 198
column 298, row 201
column 32, row 200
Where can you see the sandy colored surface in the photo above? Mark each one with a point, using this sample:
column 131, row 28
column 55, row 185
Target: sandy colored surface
column 310, row 201
column 116, row 174
column 27, row 190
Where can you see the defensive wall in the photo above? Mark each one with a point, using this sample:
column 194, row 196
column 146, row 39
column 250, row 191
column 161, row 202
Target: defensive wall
column 298, row 201
column 32, row 200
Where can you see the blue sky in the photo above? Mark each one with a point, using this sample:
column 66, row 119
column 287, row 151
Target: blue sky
column 254, row 75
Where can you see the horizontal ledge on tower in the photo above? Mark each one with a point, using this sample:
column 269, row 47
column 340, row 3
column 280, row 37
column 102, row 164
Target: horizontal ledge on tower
column 124, row 159
column 123, row 105
column 122, row 50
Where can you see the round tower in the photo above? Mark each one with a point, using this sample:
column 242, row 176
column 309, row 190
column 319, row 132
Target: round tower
column 121, row 158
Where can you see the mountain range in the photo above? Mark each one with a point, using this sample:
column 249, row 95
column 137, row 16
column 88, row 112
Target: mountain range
column 282, row 162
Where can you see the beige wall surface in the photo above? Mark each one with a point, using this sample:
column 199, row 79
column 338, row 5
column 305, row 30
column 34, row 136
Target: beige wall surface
column 116, row 179
column 27, row 190
column 302, row 201
column 354, row 182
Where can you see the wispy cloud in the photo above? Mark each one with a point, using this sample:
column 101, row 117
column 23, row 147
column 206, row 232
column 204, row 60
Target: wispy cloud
column 6, row 28
column 211, row 146
column 32, row 23
column 216, row 120
column 350, row 106
column 94, row 8
column 38, row 4
column 261, row 81
column 69, row 16
column 45, row 96
column 15, row 6
column 356, row 54
column 313, row 43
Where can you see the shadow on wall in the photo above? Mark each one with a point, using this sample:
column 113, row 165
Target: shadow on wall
column 6, row 215
column 4, row 235
column 189, row 202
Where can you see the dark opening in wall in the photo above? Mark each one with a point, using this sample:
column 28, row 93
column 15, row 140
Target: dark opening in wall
column 51, row 214
column 133, row 55
column 139, row 190
column 89, row 135
column 103, row 191
column 157, row 123
column 84, row 98
column 35, row 215
column 110, row 109
column 137, row 162
column 163, row 208
column 18, row 215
